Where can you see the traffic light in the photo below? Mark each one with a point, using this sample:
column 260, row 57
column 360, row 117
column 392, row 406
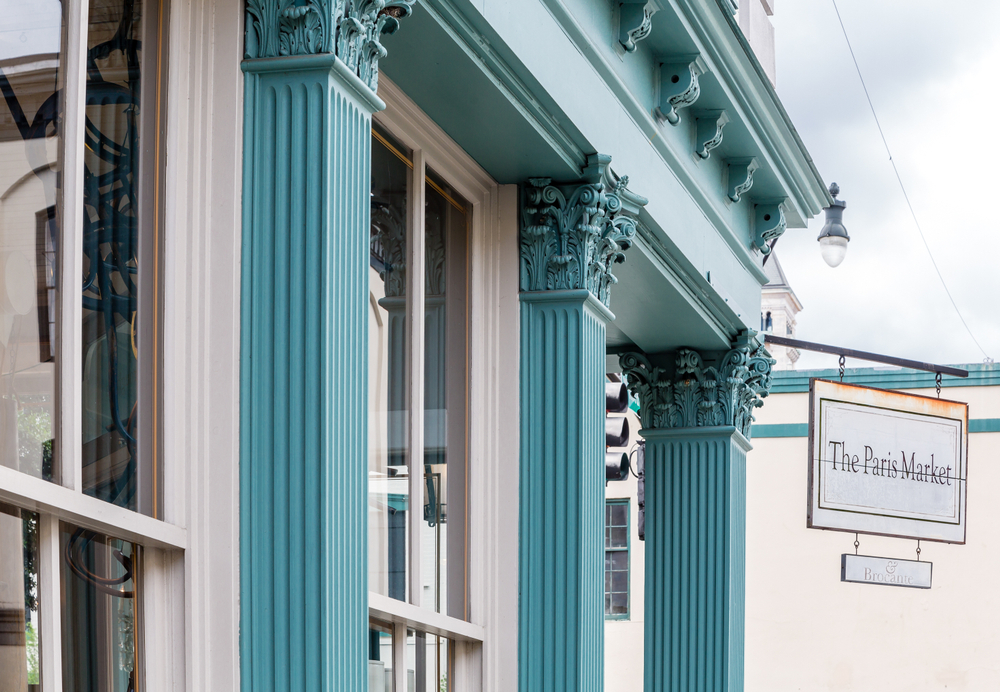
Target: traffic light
column 616, row 464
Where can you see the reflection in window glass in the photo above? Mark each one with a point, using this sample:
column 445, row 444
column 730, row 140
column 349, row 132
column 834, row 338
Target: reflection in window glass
column 428, row 662
column 99, row 612
column 379, row 657
column 19, row 635
column 445, row 365
column 31, row 112
column 388, row 479
column 117, row 218
column 616, row 559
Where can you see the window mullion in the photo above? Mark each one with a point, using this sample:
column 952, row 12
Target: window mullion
column 399, row 657
column 49, row 612
column 70, row 453
column 415, row 369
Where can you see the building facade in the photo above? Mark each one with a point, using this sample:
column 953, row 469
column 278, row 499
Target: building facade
column 305, row 312
column 778, row 307
column 797, row 627
column 805, row 629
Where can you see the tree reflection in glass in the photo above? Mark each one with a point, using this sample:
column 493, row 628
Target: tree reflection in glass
column 19, row 632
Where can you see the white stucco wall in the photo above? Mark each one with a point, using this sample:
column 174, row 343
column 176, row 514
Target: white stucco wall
column 623, row 639
column 755, row 21
column 808, row 631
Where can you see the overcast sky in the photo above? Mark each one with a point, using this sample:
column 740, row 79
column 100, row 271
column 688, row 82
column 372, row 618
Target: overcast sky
column 933, row 72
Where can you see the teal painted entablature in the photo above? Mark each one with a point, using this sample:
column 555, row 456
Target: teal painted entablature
column 351, row 29
column 573, row 235
column 694, row 394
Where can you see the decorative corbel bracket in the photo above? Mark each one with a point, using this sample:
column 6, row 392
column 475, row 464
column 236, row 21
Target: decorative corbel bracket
column 741, row 176
column 573, row 235
column 635, row 21
column 708, row 131
column 679, row 87
column 769, row 224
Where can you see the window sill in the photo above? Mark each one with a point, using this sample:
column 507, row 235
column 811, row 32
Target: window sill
column 390, row 610
column 88, row 512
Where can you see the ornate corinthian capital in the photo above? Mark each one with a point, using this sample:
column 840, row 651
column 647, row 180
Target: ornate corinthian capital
column 572, row 235
column 693, row 395
column 350, row 28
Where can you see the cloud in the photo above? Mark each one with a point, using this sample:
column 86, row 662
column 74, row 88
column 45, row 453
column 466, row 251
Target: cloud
column 929, row 74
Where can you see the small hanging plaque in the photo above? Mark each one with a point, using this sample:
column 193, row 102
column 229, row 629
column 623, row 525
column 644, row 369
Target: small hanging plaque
column 885, row 571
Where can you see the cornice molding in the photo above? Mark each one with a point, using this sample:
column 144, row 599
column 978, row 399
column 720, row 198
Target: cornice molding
column 572, row 235
column 695, row 396
column 351, row 29
column 635, row 22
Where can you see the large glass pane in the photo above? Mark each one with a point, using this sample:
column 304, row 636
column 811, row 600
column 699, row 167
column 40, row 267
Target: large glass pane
column 428, row 662
column 19, row 635
column 388, row 479
column 379, row 657
column 443, row 551
column 119, row 219
column 31, row 83
column 100, row 616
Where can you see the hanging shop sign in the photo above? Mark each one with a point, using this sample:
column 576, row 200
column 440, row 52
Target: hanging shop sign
column 885, row 571
column 886, row 463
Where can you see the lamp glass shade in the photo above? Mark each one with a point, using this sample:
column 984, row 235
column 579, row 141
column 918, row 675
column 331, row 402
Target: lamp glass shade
column 833, row 248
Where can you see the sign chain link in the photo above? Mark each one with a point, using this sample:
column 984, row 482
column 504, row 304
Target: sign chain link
column 857, row 544
column 937, row 383
column 842, row 361
column 918, row 550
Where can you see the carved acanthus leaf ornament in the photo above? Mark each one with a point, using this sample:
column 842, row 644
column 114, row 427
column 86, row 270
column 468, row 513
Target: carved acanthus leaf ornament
column 572, row 236
column 351, row 29
column 699, row 396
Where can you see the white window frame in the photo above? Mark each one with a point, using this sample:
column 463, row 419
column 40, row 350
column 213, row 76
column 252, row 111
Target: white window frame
column 486, row 645
column 190, row 579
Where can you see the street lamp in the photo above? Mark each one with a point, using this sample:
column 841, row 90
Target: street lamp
column 833, row 238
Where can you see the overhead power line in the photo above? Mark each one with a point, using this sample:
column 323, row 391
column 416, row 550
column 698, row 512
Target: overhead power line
column 902, row 187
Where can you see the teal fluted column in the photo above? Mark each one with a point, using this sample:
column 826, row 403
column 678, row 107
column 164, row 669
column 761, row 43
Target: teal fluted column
column 310, row 80
column 696, row 414
column 571, row 236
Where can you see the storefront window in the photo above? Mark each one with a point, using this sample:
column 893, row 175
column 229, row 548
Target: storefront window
column 117, row 225
column 445, row 387
column 31, row 114
column 19, row 602
column 380, row 668
column 428, row 662
column 100, row 616
column 388, row 404
column 418, row 386
column 81, row 140
column 443, row 484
